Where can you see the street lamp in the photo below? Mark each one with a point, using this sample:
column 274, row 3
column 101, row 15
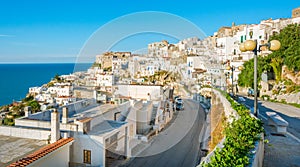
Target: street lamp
column 232, row 68
column 251, row 45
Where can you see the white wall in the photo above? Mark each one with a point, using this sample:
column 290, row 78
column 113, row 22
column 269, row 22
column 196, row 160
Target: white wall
column 86, row 142
column 42, row 124
column 57, row 158
column 139, row 91
column 143, row 117
column 25, row 133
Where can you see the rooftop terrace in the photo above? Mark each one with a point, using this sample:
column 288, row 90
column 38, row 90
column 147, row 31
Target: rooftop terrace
column 14, row 148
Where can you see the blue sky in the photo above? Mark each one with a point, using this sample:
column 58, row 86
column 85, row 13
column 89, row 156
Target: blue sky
column 55, row 31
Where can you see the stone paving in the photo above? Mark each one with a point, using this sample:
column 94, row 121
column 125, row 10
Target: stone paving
column 281, row 151
column 13, row 148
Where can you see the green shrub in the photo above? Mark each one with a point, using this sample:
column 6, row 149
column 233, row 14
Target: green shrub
column 241, row 136
column 283, row 101
column 9, row 122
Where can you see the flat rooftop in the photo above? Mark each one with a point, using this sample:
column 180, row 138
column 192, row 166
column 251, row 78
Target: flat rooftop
column 90, row 111
column 14, row 148
column 106, row 126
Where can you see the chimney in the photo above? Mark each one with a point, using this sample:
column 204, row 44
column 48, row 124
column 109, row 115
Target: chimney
column 27, row 111
column 55, row 133
column 65, row 115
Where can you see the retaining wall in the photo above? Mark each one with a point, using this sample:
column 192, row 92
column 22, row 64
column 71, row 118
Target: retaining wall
column 257, row 159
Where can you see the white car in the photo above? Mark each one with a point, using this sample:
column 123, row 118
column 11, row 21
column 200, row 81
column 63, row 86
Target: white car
column 179, row 100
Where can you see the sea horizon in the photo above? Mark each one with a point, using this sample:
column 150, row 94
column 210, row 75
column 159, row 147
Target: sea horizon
column 18, row 78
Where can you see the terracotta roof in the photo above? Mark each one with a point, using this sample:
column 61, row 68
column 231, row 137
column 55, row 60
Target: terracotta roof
column 41, row 153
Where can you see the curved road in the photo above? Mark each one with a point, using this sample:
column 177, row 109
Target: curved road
column 177, row 145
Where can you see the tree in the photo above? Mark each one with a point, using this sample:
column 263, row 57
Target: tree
column 246, row 77
column 28, row 98
column 97, row 65
column 50, row 84
column 290, row 47
column 288, row 54
column 35, row 106
column 56, row 77
column 277, row 63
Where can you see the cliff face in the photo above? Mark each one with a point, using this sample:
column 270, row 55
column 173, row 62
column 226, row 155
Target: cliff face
column 287, row 74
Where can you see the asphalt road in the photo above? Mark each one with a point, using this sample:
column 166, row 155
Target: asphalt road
column 177, row 145
column 290, row 113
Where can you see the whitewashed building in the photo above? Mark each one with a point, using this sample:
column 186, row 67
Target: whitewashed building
column 35, row 90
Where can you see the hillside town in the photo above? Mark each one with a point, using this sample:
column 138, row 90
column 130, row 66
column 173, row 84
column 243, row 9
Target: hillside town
column 110, row 113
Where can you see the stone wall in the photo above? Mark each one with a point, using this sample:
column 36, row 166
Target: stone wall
column 216, row 122
column 220, row 105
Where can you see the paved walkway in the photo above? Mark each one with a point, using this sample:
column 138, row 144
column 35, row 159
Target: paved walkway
column 281, row 151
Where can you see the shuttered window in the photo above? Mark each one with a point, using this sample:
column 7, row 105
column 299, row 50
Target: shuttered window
column 87, row 156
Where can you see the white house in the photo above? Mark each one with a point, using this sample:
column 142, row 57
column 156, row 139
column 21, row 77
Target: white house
column 225, row 48
column 105, row 79
column 133, row 67
column 193, row 63
column 158, row 49
column 35, row 90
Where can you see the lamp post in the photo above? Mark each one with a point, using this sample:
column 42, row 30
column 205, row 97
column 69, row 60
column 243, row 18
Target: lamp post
column 251, row 45
column 232, row 68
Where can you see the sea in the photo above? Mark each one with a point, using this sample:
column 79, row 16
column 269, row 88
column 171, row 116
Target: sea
column 17, row 78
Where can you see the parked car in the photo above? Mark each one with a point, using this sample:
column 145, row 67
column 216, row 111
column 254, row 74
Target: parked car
column 178, row 100
column 179, row 104
column 250, row 92
column 176, row 97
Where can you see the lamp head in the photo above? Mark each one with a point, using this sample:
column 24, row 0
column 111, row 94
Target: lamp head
column 241, row 68
column 250, row 45
column 242, row 47
column 275, row 45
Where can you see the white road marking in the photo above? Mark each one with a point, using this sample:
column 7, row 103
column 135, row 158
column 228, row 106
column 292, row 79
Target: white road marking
column 263, row 117
column 294, row 137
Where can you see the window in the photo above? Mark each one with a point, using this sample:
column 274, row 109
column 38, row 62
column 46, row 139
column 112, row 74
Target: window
column 87, row 156
column 251, row 34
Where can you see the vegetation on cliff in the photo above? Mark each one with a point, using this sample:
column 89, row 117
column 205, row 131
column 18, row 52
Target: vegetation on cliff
column 288, row 54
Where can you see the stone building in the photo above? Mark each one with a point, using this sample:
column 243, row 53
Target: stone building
column 296, row 12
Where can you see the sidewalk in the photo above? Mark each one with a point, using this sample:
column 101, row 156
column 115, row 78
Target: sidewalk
column 281, row 151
